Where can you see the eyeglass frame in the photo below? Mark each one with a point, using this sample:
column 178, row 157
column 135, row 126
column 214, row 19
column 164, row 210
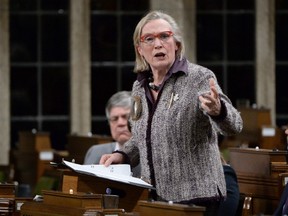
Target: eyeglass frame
column 158, row 35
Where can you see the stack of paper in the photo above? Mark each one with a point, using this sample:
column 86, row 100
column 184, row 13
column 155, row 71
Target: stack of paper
column 115, row 172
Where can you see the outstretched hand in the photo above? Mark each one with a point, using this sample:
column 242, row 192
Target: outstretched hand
column 210, row 101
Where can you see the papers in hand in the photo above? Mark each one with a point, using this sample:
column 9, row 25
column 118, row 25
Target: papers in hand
column 115, row 172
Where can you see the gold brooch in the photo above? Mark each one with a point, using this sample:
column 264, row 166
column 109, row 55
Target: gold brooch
column 174, row 97
column 136, row 108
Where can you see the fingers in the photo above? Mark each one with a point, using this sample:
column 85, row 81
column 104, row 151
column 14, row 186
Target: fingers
column 108, row 162
column 108, row 159
column 214, row 92
column 211, row 82
column 206, row 98
column 105, row 159
column 210, row 101
column 203, row 105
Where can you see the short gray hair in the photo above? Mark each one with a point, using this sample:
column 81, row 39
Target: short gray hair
column 119, row 99
column 141, row 64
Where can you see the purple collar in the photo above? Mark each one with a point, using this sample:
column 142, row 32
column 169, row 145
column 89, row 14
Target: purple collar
column 178, row 66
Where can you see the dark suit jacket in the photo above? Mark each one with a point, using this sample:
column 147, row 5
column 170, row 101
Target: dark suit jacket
column 284, row 196
column 94, row 153
column 230, row 204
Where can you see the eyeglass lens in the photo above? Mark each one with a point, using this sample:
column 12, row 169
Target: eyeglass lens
column 150, row 38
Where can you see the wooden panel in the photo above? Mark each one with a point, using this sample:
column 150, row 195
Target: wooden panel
column 75, row 199
column 7, row 190
column 77, row 146
column 255, row 162
column 28, row 165
column 31, row 142
column 7, row 173
column 70, row 182
column 254, row 120
column 25, row 167
column 128, row 194
column 42, row 209
column 156, row 208
column 274, row 142
column 260, row 187
column 258, row 175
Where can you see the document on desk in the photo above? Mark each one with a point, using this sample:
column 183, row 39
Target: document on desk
column 115, row 172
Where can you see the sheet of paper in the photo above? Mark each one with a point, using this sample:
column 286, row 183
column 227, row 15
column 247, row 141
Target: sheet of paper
column 115, row 172
column 121, row 169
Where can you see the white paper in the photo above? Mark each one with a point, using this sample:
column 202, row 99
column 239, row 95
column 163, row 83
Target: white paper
column 46, row 155
column 268, row 132
column 115, row 172
column 121, row 169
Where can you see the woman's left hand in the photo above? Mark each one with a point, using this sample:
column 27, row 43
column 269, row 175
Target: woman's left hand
column 210, row 101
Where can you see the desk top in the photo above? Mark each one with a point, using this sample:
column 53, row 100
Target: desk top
column 258, row 151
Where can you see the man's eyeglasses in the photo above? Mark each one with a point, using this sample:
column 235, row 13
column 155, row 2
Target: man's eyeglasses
column 114, row 119
column 150, row 38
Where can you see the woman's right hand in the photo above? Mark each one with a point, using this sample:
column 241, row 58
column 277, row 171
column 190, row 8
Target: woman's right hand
column 108, row 159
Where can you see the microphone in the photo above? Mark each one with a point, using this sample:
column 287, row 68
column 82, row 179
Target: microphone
column 115, row 191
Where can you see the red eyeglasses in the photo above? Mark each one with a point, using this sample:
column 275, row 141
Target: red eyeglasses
column 150, row 38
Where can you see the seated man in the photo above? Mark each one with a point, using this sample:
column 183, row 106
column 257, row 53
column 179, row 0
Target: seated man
column 230, row 205
column 282, row 208
column 117, row 112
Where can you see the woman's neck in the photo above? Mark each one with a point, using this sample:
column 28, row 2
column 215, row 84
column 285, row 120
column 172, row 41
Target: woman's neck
column 158, row 77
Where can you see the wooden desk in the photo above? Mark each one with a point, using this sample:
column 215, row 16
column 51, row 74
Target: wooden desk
column 129, row 195
column 10, row 204
column 258, row 175
column 43, row 209
column 156, row 208
column 75, row 187
column 82, row 194
column 7, row 190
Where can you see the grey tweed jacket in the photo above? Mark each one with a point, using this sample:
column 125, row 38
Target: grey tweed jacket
column 185, row 152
